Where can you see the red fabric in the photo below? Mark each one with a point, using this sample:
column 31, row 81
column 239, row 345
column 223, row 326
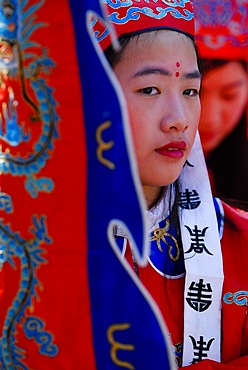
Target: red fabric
column 240, row 363
column 169, row 295
column 140, row 21
column 63, row 303
column 221, row 28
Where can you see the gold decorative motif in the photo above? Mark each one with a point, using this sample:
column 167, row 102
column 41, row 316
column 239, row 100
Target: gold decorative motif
column 159, row 234
column 119, row 346
column 103, row 145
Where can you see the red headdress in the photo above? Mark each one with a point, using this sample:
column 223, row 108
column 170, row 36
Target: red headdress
column 222, row 28
column 138, row 16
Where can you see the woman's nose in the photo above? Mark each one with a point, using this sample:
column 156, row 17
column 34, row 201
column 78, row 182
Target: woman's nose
column 211, row 111
column 174, row 116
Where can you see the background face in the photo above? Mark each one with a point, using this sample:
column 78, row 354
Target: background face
column 224, row 99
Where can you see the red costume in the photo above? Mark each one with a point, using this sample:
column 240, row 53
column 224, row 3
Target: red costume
column 168, row 293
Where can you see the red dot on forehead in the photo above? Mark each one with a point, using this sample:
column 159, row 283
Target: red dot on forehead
column 178, row 64
column 177, row 74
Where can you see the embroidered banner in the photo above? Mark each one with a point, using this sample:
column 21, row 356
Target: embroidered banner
column 44, row 314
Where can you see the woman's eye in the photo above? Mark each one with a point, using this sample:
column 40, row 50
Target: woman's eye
column 191, row 92
column 149, row 91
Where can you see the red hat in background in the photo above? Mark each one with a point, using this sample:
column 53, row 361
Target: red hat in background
column 221, row 28
column 137, row 16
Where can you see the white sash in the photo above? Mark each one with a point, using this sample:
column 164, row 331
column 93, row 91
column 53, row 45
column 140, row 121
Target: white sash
column 203, row 262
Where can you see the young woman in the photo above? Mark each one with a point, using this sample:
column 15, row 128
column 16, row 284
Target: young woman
column 223, row 128
column 163, row 103
column 200, row 287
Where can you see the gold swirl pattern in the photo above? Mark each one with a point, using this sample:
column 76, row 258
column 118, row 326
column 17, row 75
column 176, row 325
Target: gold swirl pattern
column 103, row 146
column 160, row 234
column 119, row 346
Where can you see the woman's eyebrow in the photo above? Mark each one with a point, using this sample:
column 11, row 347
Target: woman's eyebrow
column 195, row 74
column 152, row 70
column 234, row 84
column 164, row 72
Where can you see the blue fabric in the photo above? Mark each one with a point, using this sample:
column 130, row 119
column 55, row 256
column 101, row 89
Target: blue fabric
column 166, row 252
column 126, row 330
column 220, row 215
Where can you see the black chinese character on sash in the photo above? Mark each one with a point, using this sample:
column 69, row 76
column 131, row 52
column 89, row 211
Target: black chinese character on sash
column 199, row 296
column 197, row 238
column 187, row 163
column 200, row 348
column 189, row 199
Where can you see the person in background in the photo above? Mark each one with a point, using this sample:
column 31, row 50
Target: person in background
column 223, row 129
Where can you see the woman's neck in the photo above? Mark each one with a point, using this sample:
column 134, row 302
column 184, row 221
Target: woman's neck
column 152, row 195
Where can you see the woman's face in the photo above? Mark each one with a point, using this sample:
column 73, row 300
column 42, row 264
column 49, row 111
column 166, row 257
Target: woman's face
column 160, row 79
column 224, row 97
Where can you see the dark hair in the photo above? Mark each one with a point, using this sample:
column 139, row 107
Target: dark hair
column 228, row 163
column 209, row 64
column 114, row 56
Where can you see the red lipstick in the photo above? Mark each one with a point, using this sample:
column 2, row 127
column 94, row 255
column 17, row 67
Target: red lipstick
column 175, row 149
